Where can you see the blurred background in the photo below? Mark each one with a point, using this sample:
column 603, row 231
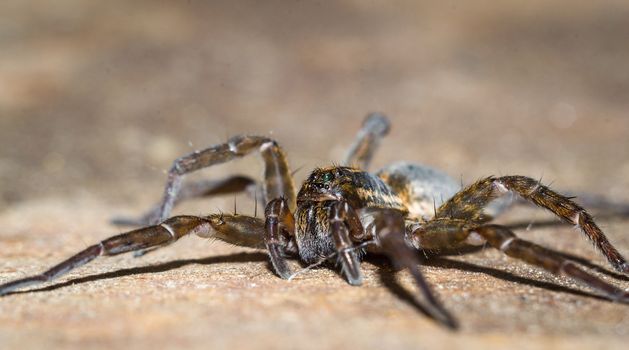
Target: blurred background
column 102, row 96
column 98, row 97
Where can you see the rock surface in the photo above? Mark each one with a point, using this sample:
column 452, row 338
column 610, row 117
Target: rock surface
column 97, row 98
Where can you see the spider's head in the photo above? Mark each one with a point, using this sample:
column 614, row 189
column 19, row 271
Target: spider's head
column 326, row 184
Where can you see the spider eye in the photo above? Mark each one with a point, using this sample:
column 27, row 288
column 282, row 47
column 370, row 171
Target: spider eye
column 327, row 177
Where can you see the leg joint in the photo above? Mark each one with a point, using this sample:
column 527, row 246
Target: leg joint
column 170, row 230
column 505, row 244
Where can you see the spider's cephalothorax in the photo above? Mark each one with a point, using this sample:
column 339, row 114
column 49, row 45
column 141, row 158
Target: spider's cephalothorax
column 358, row 188
column 344, row 211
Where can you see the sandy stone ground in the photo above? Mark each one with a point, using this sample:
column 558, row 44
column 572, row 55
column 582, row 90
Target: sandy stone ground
column 98, row 98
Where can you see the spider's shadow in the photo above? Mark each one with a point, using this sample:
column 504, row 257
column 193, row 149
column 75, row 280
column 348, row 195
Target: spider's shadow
column 243, row 257
column 389, row 280
column 384, row 271
column 434, row 259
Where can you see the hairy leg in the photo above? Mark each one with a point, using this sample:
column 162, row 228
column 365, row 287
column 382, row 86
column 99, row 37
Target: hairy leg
column 277, row 183
column 506, row 241
column 601, row 204
column 279, row 233
column 375, row 127
column 437, row 234
column 449, row 233
column 468, row 204
column 345, row 225
column 234, row 229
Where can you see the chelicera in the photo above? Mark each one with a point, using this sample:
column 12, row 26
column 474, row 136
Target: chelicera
column 345, row 212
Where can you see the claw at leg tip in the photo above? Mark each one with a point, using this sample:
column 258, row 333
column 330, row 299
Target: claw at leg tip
column 355, row 281
column 453, row 324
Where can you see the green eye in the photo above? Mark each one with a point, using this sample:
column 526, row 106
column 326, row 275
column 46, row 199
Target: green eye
column 327, row 177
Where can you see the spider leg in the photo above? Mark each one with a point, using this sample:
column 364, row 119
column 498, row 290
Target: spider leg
column 234, row 229
column 389, row 228
column 194, row 189
column 278, row 181
column 438, row 233
column 375, row 127
column 506, row 241
column 448, row 233
column 278, row 234
column 600, row 203
column 468, row 205
column 344, row 223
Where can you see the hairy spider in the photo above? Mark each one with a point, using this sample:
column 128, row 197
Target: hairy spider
column 345, row 211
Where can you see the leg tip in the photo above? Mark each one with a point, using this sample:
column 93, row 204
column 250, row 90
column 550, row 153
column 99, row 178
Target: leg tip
column 378, row 123
column 285, row 275
column 442, row 316
column 281, row 268
column 451, row 323
column 355, row 281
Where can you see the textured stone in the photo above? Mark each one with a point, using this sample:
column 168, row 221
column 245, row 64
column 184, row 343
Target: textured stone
column 97, row 97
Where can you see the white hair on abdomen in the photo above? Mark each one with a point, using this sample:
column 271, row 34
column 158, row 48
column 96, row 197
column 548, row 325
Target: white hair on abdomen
column 424, row 187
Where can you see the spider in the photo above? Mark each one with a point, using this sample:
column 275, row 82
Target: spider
column 343, row 211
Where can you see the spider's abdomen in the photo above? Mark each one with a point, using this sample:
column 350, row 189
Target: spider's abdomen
column 421, row 188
